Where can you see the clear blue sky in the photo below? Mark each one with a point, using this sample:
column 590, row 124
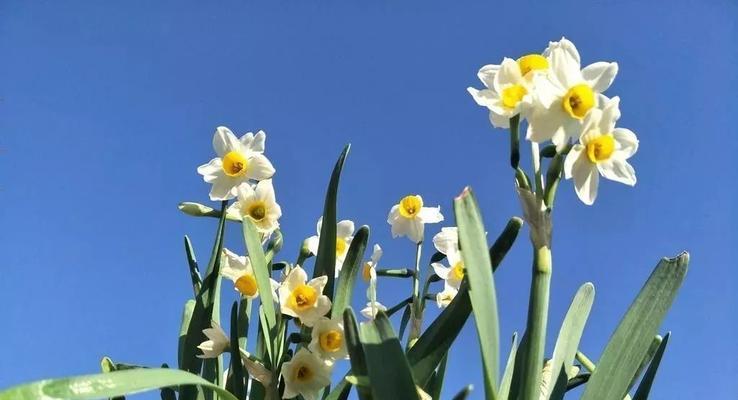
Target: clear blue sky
column 107, row 109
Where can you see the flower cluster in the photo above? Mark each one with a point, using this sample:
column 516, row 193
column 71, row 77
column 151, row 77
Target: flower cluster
column 563, row 103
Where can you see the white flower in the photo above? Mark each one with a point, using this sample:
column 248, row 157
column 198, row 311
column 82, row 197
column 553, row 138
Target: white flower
column 344, row 235
column 256, row 369
column 447, row 242
column 238, row 269
column 371, row 265
column 237, row 162
column 328, row 340
column 373, row 306
column 572, row 93
column 511, row 87
column 443, row 299
column 602, row 150
column 408, row 217
column 305, row 374
column 301, row 299
column 216, row 344
column 372, row 309
column 259, row 204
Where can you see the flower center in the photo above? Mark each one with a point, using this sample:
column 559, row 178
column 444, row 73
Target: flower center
column 457, row 272
column 512, row 95
column 341, row 247
column 578, row 100
column 366, row 273
column 303, row 374
column 256, row 210
column 331, row 341
column 303, row 297
column 532, row 62
column 234, row 164
column 410, row 206
column 246, row 285
column 600, row 148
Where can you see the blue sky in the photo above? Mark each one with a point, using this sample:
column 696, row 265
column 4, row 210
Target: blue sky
column 107, row 109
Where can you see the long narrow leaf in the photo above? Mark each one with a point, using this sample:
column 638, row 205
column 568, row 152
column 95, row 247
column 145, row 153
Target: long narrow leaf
column 192, row 263
column 655, row 344
column 464, row 393
column 351, row 267
column 261, row 273
column 355, row 350
column 630, row 341
column 504, row 391
column 473, row 243
column 235, row 383
column 111, row 384
column 325, row 260
column 644, row 388
column 184, row 326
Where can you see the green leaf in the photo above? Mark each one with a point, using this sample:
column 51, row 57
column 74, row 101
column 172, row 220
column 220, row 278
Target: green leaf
column 404, row 319
column 504, row 241
column 244, row 317
column 325, row 260
column 110, row 384
column 235, row 382
column 655, row 343
column 351, row 267
column 355, row 349
column 388, row 368
column 644, row 388
column 568, row 341
column 630, row 341
column 464, row 393
column 478, row 267
column 261, row 273
column 192, row 263
column 184, row 326
column 504, row 391
column 435, row 384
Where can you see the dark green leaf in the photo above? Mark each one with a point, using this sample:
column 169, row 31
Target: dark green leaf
column 355, row 350
column 351, row 267
column 261, row 273
column 464, row 393
column 644, row 388
column 235, row 383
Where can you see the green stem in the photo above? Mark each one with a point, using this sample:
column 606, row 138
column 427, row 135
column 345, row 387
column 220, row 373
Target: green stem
column 585, row 361
column 417, row 308
column 396, row 273
column 515, row 141
column 536, row 325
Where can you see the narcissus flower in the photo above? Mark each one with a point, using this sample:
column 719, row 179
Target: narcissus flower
column 302, row 299
column 305, row 374
column 238, row 270
column 408, row 217
column 511, row 87
column 344, row 235
column 373, row 306
column 447, row 242
column 372, row 309
column 370, row 265
column 259, row 205
column 216, row 344
column 328, row 340
column 603, row 150
column 443, row 299
column 572, row 93
column 238, row 161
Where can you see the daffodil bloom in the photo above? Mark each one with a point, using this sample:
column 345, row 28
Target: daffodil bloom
column 443, row 299
column 238, row 270
column 305, row 374
column 344, row 235
column 510, row 87
column 572, row 93
column 216, row 344
column 256, row 369
column 373, row 306
column 328, row 340
column 409, row 216
column 447, row 242
column 372, row 309
column 603, row 150
column 370, row 265
column 237, row 161
column 302, row 299
column 257, row 204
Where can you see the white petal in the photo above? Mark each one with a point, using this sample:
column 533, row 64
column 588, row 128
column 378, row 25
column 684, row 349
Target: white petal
column 441, row 270
column 318, row 283
column 224, row 188
column 295, row 278
column 259, row 168
column 376, row 254
column 610, row 114
column 224, row 141
column 500, row 120
column 487, row 74
column 544, row 124
column 618, row 170
column 447, row 240
column 586, row 180
column 509, row 74
column 312, row 244
column 484, row 98
column 345, row 229
column 415, row 228
column 430, row 215
column 265, row 191
column 574, row 154
column 627, row 141
column 600, row 75
column 212, row 170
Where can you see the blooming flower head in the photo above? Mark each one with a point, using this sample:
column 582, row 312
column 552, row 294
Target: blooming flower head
column 370, row 265
column 443, row 299
column 216, row 344
column 447, row 242
column 603, row 150
column 239, row 271
column 258, row 204
column 305, row 374
column 408, row 217
column 237, row 161
column 510, row 87
column 328, row 340
column 344, row 235
column 373, row 306
column 302, row 299
column 572, row 93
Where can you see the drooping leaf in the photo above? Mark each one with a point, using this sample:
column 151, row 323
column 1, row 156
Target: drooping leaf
column 644, row 388
column 504, row 391
column 110, row 384
column 567, row 342
column 478, row 267
column 351, row 267
column 325, row 260
column 389, row 371
column 624, row 352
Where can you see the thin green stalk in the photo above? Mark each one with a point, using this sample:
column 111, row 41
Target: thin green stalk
column 536, row 325
column 535, row 156
column 417, row 308
column 585, row 361
column 515, row 141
